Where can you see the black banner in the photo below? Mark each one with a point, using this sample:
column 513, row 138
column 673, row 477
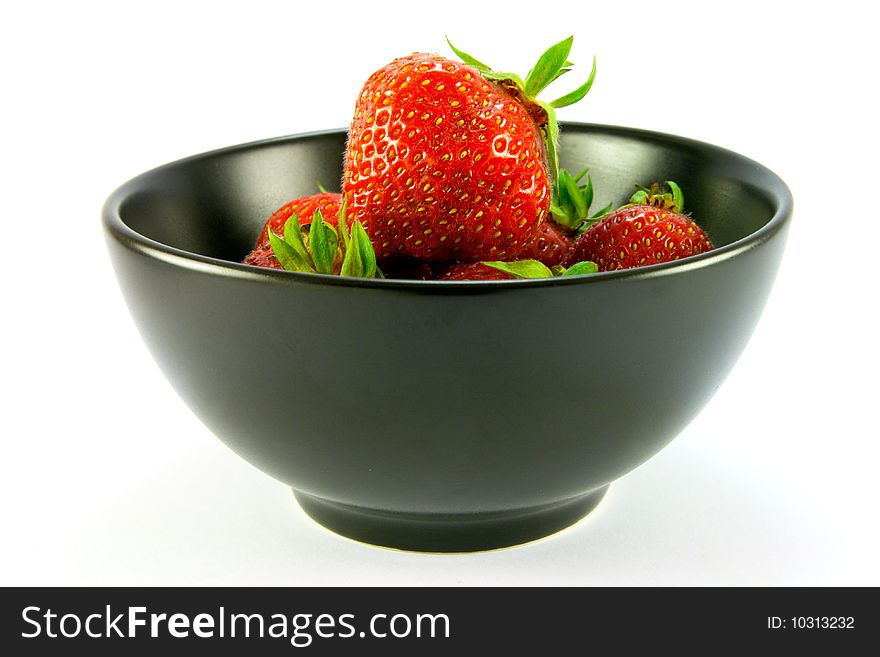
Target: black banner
column 333, row 621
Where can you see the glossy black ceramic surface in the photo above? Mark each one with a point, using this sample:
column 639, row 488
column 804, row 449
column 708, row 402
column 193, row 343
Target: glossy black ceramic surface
column 442, row 416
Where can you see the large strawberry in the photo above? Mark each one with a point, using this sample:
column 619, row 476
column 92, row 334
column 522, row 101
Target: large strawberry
column 304, row 208
column 453, row 161
column 649, row 230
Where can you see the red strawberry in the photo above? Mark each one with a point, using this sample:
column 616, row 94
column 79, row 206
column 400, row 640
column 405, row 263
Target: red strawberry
column 304, row 207
column 452, row 161
column 648, row 231
column 474, row 271
column 551, row 246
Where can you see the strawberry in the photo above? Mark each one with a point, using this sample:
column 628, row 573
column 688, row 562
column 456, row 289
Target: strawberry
column 304, row 207
column 650, row 230
column 453, row 161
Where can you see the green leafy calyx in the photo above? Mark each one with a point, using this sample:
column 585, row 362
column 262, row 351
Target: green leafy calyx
column 318, row 250
column 571, row 202
column 671, row 199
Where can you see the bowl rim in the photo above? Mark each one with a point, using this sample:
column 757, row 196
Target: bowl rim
column 119, row 230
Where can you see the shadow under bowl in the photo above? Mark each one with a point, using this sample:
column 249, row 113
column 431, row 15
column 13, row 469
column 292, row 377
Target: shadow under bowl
column 442, row 416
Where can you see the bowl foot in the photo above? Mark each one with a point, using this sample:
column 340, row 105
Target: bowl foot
column 448, row 532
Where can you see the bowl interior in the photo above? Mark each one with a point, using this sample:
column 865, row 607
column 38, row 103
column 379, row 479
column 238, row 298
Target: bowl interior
column 215, row 204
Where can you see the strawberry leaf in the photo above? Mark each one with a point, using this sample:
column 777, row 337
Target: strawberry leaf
column 343, row 224
column 574, row 96
column 571, row 202
column 659, row 197
column 601, row 213
column 320, row 245
column 548, row 67
column 587, row 195
column 503, row 78
column 574, row 194
column 360, row 258
column 583, row 173
column 468, row 59
column 585, row 267
column 288, row 255
column 294, row 238
column 551, row 133
column 522, row 268
column 332, row 239
column 566, row 68
column 677, row 196
column 640, row 196
column 360, row 242
column 352, row 263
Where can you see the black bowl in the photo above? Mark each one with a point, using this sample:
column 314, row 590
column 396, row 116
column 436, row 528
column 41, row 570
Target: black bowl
column 442, row 416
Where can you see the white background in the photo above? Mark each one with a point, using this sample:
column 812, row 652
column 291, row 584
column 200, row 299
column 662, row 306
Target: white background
column 107, row 478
